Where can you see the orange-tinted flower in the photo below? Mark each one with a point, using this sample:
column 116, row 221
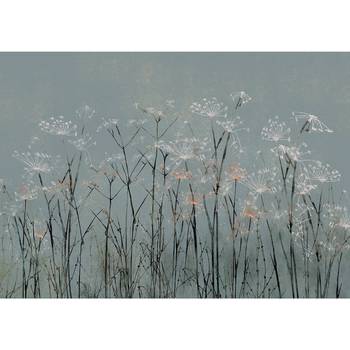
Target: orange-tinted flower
column 236, row 173
column 182, row 175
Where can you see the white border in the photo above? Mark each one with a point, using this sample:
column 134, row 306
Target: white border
column 174, row 324
column 182, row 25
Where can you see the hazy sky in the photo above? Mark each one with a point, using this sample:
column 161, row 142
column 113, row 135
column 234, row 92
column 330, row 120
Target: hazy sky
column 35, row 86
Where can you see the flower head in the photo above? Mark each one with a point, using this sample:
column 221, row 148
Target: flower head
column 58, row 127
column 316, row 171
column 312, row 123
column 85, row 112
column 35, row 162
column 262, row 181
column 236, row 173
column 209, row 108
column 26, row 193
column 276, row 131
column 185, row 149
column 83, row 143
column 291, row 153
column 240, row 98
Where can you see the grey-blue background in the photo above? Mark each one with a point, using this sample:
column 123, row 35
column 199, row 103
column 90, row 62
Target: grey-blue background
column 35, row 86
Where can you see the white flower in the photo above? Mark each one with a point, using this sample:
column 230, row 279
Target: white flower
column 209, row 108
column 107, row 124
column 317, row 171
column 312, row 123
column 240, row 98
column 58, row 127
column 185, row 149
column 262, row 181
column 35, row 162
column 83, row 143
column 291, row 153
column 276, row 131
column 26, row 193
column 85, row 112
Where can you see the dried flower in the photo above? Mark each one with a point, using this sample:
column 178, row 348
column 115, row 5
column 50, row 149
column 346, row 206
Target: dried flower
column 236, row 173
column 312, row 123
column 262, row 181
column 316, row 171
column 35, row 162
column 276, row 131
column 209, row 108
column 240, row 98
column 58, row 127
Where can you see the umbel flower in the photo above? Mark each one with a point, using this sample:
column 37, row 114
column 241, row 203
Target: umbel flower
column 58, row 126
column 106, row 124
column 312, row 123
column 35, row 162
column 236, row 173
column 316, row 171
column 83, row 143
column 209, row 108
column 240, row 98
column 261, row 181
column 292, row 153
column 26, row 193
column 304, row 185
column 155, row 113
column 230, row 126
column 339, row 217
column 85, row 112
column 275, row 131
column 185, row 149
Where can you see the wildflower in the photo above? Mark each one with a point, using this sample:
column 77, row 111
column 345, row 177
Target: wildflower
column 209, row 108
column 250, row 212
column 35, row 162
column 250, row 209
column 338, row 216
column 230, row 126
column 277, row 213
column 292, row 153
column 193, row 201
column 137, row 122
column 90, row 184
column 344, row 221
column 276, row 131
column 10, row 209
column 317, row 171
column 156, row 114
column 58, row 127
column 107, row 124
column 301, row 242
column 240, row 98
column 236, row 173
column 26, row 193
column 182, row 175
column 57, row 186
column 39, row 229
column 85, row 112
column 184, row 149
column 83, row 143
column 312, row 123
column 262, row 181
column 304, row 185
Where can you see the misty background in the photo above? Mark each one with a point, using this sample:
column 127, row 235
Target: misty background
column 36, row 86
